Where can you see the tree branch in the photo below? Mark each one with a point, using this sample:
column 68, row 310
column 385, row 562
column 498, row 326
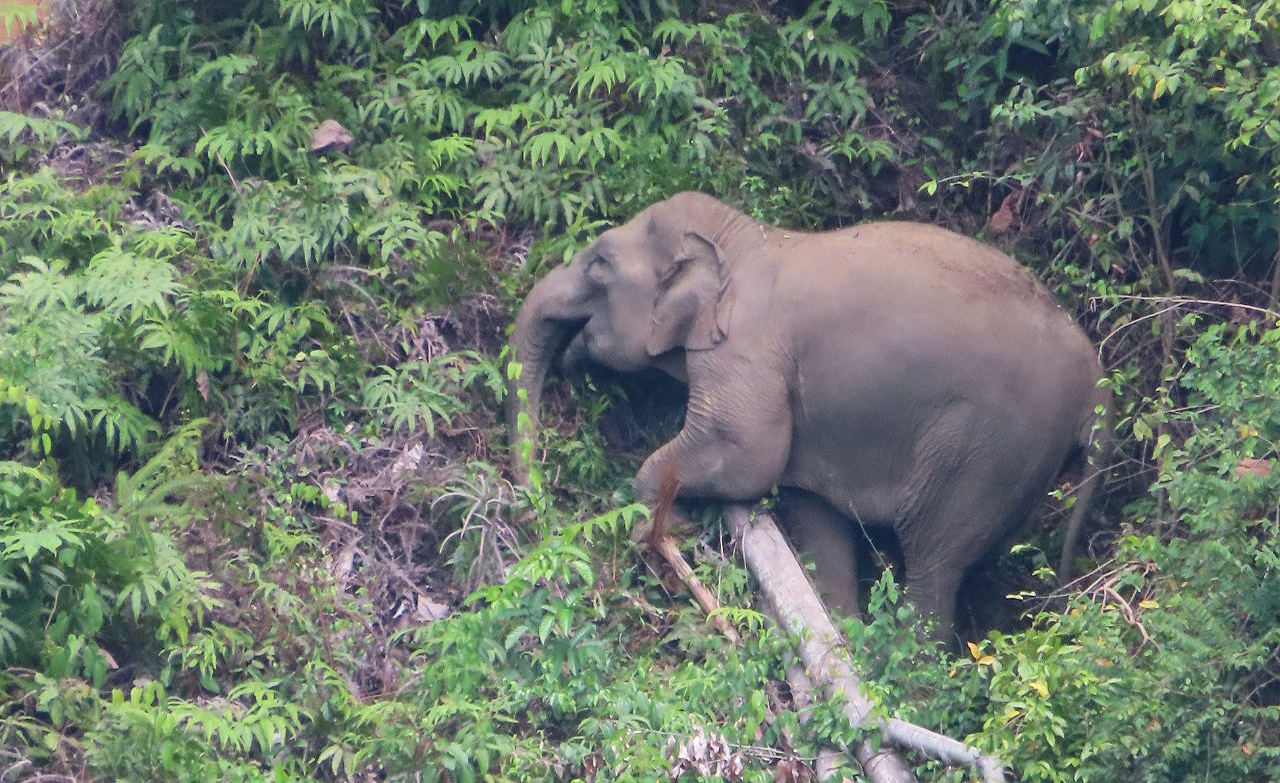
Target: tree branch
column 662, row 543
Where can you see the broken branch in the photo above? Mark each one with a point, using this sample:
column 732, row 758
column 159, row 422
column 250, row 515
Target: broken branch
column 660, row 541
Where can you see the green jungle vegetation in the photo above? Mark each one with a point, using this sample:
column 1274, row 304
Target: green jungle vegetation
column 255, row 518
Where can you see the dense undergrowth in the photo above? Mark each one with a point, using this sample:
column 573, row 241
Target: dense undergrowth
column 254, row 523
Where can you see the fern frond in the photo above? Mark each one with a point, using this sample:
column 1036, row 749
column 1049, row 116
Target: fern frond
column 129, row 286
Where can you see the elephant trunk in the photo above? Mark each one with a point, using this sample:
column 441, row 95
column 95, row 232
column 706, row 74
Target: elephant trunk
column 551, row 314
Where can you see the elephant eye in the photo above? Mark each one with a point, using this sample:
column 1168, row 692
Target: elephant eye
column 598, row 268
column 673, row 270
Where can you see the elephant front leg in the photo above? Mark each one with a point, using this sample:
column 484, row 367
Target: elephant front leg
column 726, row 456
column 934, row 574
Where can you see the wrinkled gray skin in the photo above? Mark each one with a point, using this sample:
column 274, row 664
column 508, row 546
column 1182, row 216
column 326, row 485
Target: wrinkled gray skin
column 895, row 373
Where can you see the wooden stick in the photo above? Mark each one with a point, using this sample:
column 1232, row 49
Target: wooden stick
column 665, row 545
column 660, row 540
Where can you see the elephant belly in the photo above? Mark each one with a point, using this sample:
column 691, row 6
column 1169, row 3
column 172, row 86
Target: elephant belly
column 865, row 466
column 907, row 454
column 936, row 413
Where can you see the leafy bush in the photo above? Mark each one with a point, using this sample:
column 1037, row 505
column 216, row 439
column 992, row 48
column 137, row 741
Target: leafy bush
column 540, row 675
column 1141, row 133
column 76, row 574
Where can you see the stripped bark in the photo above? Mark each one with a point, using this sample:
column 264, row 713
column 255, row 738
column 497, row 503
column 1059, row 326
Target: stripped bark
column 665, row 545
column 792, row 601
column 829, row 761
column 660, row 540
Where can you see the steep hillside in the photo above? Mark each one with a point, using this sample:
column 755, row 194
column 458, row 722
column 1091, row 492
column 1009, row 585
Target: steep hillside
column 258, row 263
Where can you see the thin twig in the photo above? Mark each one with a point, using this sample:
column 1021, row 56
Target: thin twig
column 1273, row 298
column 1179, row 301
column 1174, row 303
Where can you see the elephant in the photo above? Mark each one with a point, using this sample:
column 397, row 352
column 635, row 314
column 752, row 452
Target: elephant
column 885, row 374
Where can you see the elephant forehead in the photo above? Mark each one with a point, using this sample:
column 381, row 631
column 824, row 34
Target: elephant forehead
column 655, row 225
column 603, row 246
column 622, row 244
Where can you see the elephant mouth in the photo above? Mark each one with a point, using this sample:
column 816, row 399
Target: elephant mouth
column 574, row 349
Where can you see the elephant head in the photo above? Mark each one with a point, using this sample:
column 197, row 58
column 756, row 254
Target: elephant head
column 637, row 297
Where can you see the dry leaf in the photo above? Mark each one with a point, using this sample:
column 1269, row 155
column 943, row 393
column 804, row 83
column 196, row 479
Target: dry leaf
column 409, row 460
column 345, row 561
column 109, row 658
column 790, row 771
column 428, row 610
column 1248, row 466
column 331, row 136
column 1003, row 219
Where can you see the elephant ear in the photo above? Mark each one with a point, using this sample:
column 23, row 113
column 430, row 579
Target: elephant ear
column 694, row 299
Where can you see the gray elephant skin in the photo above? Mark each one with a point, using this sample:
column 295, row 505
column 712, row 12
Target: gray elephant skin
column 891, row 373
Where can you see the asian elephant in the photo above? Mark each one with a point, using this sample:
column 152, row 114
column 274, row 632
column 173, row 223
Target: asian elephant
column 893, row 373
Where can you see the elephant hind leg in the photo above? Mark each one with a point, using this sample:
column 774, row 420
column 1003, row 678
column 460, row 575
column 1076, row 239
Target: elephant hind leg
column 830, row 541
column 942, row 547
column 932, row 585
column 962, row 498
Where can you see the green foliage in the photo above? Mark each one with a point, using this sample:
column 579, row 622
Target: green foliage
column 74, row 573
column 1105, row 688
column 539, row 115
column 248, row 390
column 24, row 134
column 412, row 396
column 147, row 735
column 1144, row 131
column 58, row 329
column 85, row 300
column 1199, row 588
column 564, row 670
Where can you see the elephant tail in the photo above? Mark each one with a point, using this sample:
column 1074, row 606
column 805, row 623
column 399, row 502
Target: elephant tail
column 1096, row 443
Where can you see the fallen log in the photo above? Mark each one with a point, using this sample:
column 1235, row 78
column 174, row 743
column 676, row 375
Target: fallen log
column 792, row 601
column 790, row 598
